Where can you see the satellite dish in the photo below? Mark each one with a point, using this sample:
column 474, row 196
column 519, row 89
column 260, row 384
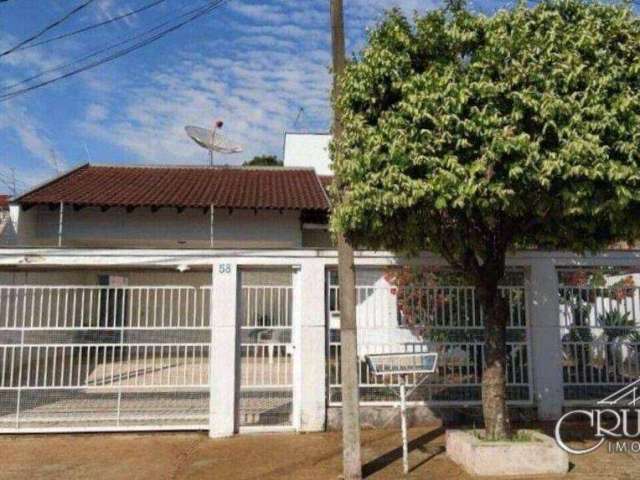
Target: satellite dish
column 212, row 140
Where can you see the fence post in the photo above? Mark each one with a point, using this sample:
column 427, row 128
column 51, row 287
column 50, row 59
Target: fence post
column 223, row 359
column 310, row 289
column 546, row 345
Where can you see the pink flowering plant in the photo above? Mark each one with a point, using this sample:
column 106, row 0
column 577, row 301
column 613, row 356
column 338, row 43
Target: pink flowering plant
column 419, row 299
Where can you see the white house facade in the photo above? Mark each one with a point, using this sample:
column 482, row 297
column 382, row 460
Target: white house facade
column 156, row 298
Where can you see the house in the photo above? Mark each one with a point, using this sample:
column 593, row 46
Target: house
column 188, row 297
column 308, row 150
column 95, row 206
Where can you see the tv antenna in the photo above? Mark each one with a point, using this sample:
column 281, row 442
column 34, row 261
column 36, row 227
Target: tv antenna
column 54, row 160
column 300, row 113
column 212, row 140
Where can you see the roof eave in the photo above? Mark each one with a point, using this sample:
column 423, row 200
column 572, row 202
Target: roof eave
column 48, row 182
column 147, row 205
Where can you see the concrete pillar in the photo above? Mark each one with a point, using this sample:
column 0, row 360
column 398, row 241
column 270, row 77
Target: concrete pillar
column 24, row 224
column 311, row 292
column 223, row 367
column 546, row 344
column 11, row 232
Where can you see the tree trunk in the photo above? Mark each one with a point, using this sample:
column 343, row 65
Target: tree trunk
column 494, row 405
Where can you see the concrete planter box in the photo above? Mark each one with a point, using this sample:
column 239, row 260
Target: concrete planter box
column 538, row 457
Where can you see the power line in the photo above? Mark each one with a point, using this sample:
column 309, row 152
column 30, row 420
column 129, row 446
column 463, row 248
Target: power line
column 92, row 54
column 188, row 18
column 94, row 26
column 171, row 17
column 47, row 28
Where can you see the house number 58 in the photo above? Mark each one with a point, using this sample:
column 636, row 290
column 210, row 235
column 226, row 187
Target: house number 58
column 224, row 268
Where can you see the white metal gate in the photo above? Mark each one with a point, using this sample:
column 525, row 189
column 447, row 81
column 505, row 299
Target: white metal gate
column 455, row 331
column 90, row 358
column 266, row 349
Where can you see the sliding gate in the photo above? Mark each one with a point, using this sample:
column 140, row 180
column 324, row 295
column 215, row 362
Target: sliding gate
column 89, row 358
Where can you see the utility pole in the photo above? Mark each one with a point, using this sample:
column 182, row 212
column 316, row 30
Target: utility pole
column 351, row 458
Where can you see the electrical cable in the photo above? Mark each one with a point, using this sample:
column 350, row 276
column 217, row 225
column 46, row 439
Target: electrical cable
column 141, row 42
column 92, row 27
column 95, row 52
column 47, row 28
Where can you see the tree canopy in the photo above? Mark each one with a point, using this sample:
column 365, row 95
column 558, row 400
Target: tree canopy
column 263, row 161
column 467, row 135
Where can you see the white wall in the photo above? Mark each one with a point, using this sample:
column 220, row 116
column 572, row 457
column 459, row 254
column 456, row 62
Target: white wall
column 22, row 224
column 377, row 311
column 308, row 150
column 166, row 228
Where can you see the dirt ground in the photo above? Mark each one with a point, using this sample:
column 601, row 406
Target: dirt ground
column 268, row 456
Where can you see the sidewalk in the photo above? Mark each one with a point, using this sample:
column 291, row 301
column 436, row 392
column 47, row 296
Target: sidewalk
column 252, row 457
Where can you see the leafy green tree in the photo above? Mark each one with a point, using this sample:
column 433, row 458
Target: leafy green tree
column 263, row 161
column 472, row 136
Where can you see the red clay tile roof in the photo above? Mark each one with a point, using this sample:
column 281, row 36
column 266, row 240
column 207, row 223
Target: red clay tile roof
column 4, row 202
column 178, row 186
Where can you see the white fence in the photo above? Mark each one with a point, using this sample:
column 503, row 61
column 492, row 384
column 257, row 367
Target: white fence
column 599, row 328
column 93, row 358
column 99, row 358
column 454, row 327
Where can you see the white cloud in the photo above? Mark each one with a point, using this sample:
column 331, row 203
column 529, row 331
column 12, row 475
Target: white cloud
column 277, row 63
column 22, row 63
column 36, row 141
column 257, row 86
column 263, row 13
column 19, row 125
column 96, row 112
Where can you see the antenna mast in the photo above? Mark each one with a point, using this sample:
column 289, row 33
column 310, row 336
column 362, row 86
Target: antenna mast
column 54, row 159
column 300, row 113
column 13, row 181
column 216, row 125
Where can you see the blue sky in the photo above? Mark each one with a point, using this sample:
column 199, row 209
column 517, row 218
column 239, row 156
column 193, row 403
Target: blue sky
column 252, row 63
